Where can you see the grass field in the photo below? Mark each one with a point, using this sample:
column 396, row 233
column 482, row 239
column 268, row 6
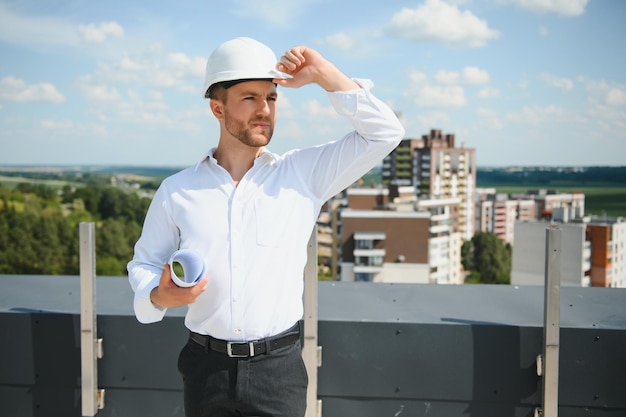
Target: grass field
column 11, row 181
column 599, row 200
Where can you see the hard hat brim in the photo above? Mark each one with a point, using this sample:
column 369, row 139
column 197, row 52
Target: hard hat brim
column 235, row 77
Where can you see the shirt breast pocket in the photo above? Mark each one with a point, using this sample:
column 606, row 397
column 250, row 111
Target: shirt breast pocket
column 272, row 221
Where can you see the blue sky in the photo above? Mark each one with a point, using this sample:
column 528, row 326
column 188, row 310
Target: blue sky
column 524, row 82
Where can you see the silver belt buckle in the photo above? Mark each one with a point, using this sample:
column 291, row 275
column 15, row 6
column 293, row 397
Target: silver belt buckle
column 229, row 349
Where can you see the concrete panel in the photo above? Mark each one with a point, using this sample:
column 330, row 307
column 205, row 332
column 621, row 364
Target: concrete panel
column 140, row 356
column 468, row 363
column 16, row 349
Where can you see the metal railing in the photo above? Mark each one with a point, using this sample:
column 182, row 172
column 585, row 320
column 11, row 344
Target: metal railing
column 90, row 345
column 548, row 362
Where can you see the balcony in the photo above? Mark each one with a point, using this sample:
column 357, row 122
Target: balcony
column 369, row 253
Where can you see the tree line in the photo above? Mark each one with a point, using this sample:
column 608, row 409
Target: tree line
column 552, row 175
column 39, row 227
column 39, row 232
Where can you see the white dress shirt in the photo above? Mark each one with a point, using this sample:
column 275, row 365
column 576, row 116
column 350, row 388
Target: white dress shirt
column 254, row 236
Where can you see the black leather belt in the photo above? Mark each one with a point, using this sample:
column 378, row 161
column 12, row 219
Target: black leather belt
column 248, row 349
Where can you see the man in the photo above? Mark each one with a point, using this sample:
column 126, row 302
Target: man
column 250, row 213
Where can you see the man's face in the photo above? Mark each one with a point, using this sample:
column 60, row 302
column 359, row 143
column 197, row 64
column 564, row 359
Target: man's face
column 250, row 112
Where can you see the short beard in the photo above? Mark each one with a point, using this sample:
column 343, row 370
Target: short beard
column 238, row 129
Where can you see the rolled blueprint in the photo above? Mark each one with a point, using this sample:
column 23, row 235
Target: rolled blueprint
column 192, row 264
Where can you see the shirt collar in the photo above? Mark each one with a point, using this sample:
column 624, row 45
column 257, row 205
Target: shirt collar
column 265, row 156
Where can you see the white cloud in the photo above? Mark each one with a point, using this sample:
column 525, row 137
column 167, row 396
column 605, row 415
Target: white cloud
column 98, row 33
column 562, row 7
column 16, row 89
column 97, row 92
column 474, row 75
column 489, row 92
column 611, row 94
column 469, row 75
column 563, row 84
column 129, row 64
column 438, row 21
column 417, row 77
column 315, row 109
column 340, row 41
column 447, row 77
column 176, row 71
column 440, row 96
column 432, row 118
column 615, row 96
column 102, row 93
column 449, row 94
column 289, row 129
column 535, row 115
column 193, row 66
column 543, row 31
column 57, row 124
column 489, row 118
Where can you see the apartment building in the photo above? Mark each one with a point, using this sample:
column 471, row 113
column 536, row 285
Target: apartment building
column 552, row 205
column 608, row 251
column 436, row 168
column 593, row 252
column 497, row 212
column 388, row 235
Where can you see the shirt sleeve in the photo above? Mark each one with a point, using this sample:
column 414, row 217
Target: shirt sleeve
column 159, row 238
column 332, row 167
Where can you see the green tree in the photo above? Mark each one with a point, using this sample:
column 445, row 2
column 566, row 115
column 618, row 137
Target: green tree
column 114, row 245
column 39, row 228
column 486, row 259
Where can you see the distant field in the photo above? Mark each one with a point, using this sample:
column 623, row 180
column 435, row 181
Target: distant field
column 599, row 200
column 11, row 181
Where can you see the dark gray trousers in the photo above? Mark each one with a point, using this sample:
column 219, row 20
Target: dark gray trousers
column 268, row 385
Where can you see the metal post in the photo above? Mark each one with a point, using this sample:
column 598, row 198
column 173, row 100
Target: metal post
column 90, row 345
column 551, row 329
column 311, row 352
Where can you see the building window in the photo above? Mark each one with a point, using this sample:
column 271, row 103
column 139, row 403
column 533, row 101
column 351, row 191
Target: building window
column 363, row 277
column 364, row 244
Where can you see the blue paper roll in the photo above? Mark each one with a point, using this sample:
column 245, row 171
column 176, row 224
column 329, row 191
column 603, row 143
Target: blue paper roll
column 192, row 264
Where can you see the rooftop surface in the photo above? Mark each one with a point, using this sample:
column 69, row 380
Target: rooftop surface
column 602, row 308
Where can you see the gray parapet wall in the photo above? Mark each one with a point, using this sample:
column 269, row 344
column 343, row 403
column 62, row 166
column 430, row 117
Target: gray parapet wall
column 387, row 350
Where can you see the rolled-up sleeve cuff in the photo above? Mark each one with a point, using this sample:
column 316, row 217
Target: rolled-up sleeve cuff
column 346, row 102
column 145, row 311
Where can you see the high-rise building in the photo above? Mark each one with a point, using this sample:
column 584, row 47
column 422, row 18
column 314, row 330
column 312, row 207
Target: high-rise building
column 436, row 168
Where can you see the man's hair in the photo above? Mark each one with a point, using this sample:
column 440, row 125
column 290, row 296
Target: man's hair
column 218, row 92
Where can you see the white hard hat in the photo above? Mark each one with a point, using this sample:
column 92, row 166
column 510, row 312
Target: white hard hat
column 240, row 59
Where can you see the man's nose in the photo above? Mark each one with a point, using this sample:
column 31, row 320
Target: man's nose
column 264, row 107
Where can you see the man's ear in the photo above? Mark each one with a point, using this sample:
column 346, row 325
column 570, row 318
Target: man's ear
column 217, row 108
